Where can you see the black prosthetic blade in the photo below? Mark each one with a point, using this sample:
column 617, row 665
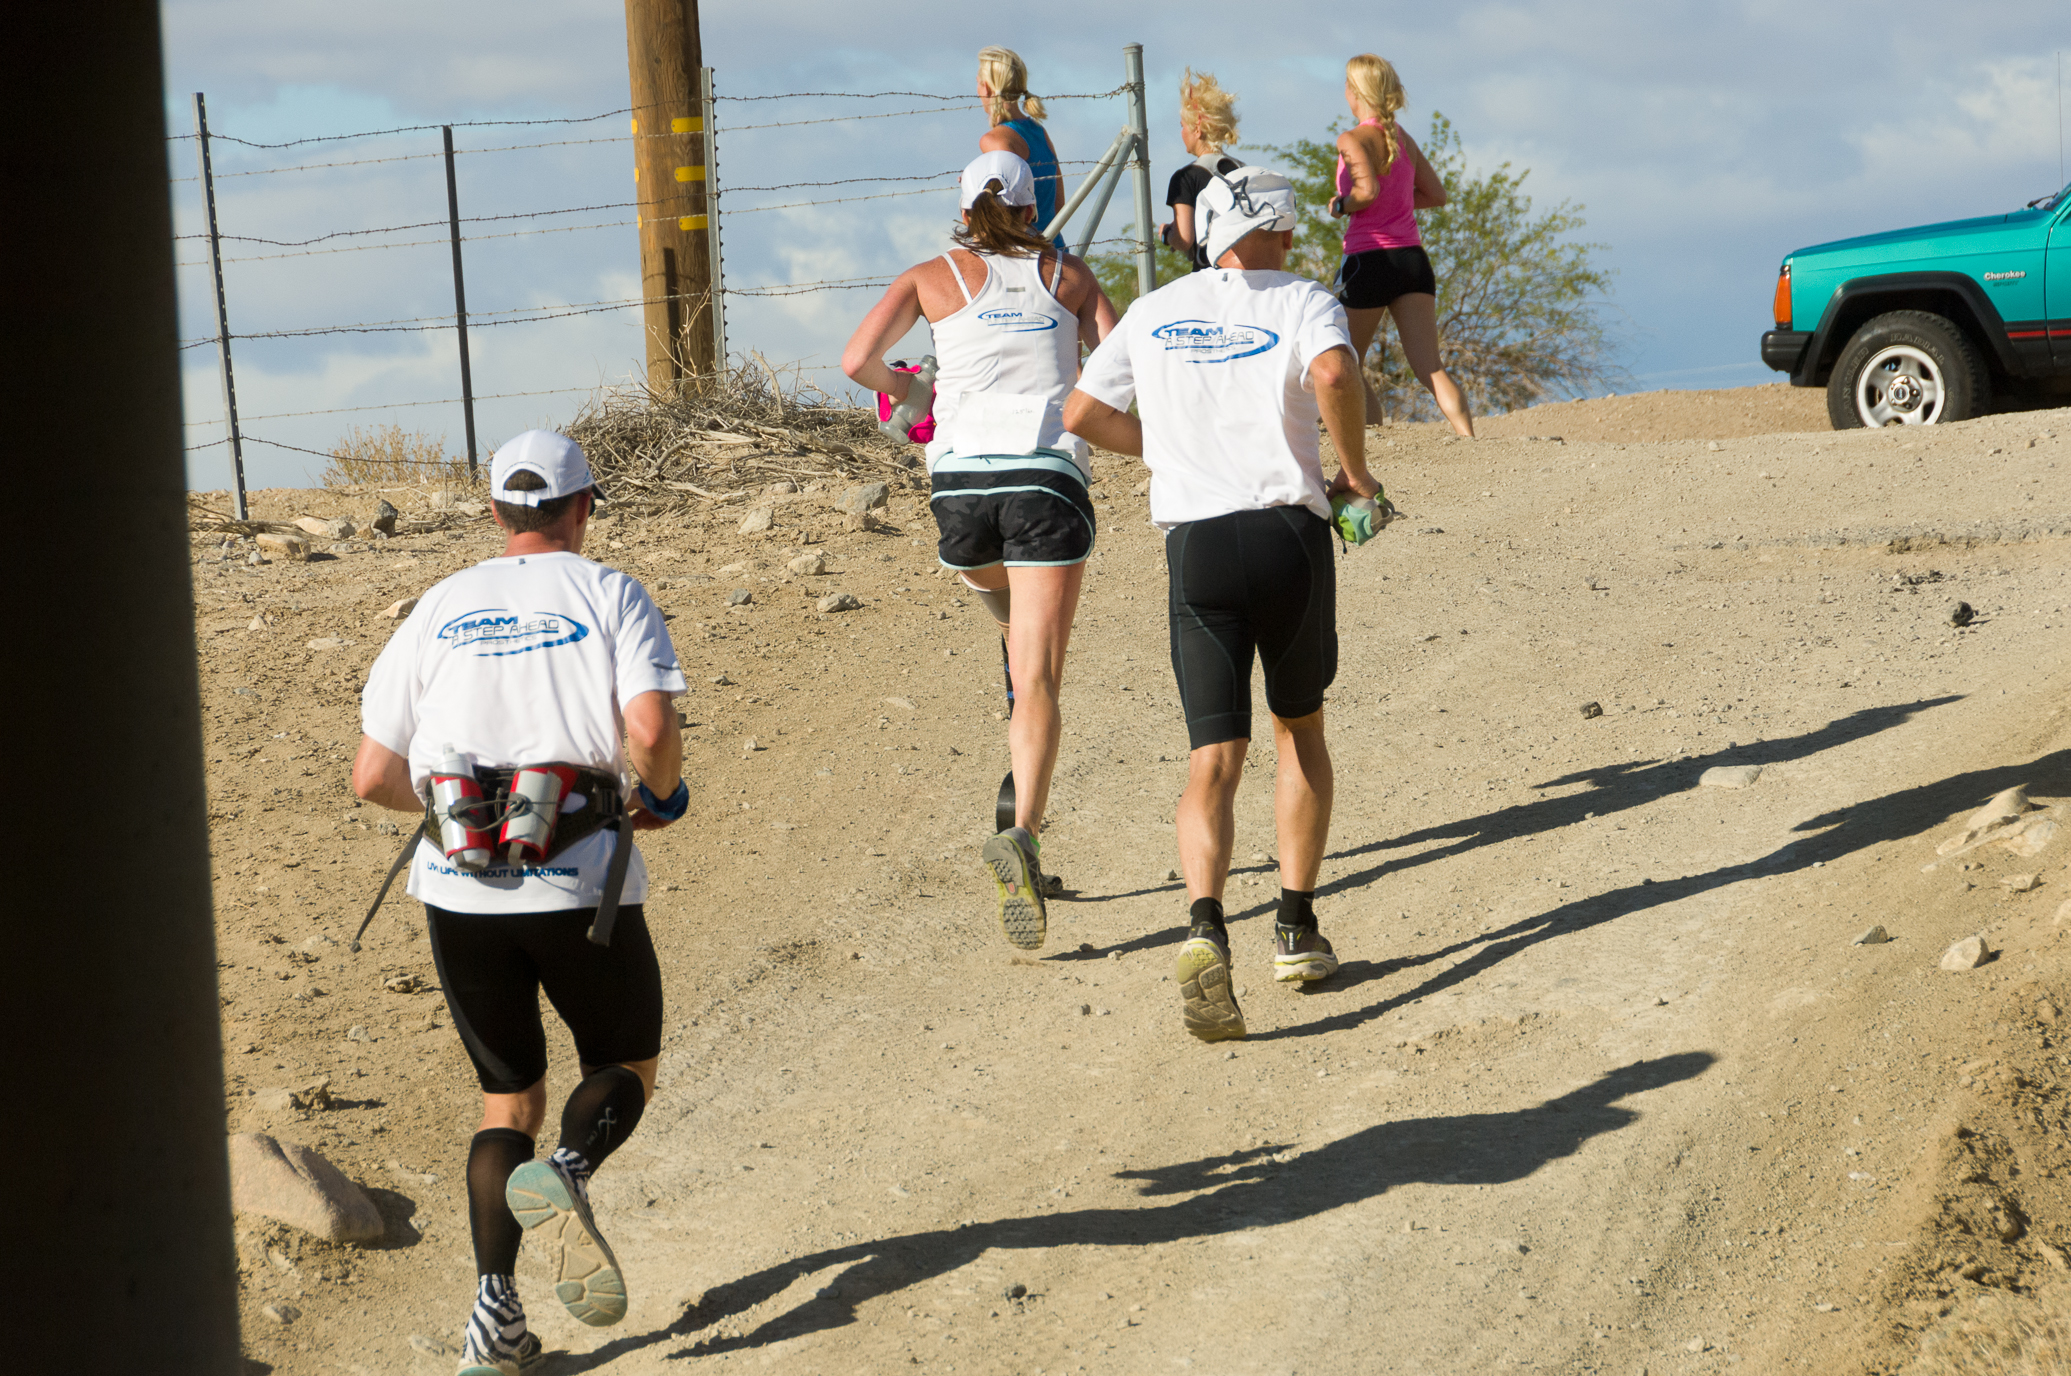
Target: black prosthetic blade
column 1003, row 809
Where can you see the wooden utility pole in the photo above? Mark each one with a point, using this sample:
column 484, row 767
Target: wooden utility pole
column 663, row 55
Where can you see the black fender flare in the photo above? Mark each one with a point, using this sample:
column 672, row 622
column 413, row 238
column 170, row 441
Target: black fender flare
column 1860, row 298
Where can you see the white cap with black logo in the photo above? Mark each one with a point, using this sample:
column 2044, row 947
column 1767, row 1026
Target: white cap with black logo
column 1235, row 203
column 557, row 460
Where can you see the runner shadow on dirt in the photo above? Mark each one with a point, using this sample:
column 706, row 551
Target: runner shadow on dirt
column 1893, row 817
column 1615, row 788
column 1258, row 1187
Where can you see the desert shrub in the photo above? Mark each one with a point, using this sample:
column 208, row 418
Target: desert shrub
column 389, row 456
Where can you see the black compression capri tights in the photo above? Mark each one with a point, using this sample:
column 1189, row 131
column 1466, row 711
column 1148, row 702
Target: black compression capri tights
column 1251, row 580
column 493, row 966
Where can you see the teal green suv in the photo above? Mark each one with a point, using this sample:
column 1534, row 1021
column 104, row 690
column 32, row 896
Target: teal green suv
column 1920, row 326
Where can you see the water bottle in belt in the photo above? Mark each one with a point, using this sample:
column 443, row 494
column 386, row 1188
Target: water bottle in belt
column 535, row 805
column 453, row 785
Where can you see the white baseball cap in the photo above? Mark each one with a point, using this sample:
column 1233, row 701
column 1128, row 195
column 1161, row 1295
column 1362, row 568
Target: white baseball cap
column 1235, row 203
column 555, row 458
column 1017, row 182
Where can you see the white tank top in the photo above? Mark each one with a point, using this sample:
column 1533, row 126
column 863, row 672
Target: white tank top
column 1004, row 365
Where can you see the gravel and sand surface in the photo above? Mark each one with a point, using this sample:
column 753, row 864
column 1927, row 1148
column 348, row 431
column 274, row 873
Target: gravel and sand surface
column 1604, row 1083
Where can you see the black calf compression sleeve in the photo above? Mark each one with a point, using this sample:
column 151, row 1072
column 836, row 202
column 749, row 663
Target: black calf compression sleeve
column 491, row 1157
column 602, row 1113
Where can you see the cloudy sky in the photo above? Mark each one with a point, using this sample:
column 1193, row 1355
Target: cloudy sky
column 1703, row 141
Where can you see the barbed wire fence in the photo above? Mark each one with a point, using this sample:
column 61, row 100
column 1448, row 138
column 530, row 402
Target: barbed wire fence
column 222, row 246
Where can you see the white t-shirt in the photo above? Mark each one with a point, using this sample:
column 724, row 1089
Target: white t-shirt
column 521, row 660
column 1218, row 364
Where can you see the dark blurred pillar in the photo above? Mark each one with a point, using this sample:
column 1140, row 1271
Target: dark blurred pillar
column 118, row 1209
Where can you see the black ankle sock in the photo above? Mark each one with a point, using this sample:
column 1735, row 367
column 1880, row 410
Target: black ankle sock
column 602, row 1113
column 1206, row 917
column 1297, row 908
column 491, row 1157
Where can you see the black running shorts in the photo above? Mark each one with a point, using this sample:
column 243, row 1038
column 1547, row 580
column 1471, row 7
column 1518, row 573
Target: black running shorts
column 493, row 966
column 1250, row 580
column 1021, row 510
column 1367, row 281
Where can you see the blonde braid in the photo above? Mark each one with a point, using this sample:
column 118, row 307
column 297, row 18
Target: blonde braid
column 1372, row 79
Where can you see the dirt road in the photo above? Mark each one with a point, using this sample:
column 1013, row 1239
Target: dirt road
column 1603, row 1084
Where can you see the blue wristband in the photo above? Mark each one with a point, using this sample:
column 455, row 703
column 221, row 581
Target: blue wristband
column 671, row 807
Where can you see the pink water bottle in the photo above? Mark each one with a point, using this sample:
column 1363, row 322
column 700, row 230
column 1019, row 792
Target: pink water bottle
column 536, row 793
column 453, row 786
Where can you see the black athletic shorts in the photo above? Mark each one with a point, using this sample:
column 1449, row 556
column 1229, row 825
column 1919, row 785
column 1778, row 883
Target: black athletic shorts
column 1021, row 510
column 493, row 966
column 1250, row 580
column 1367, row 281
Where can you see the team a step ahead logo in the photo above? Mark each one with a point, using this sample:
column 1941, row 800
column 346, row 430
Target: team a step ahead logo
column 1016, row 321
column 495, row 631
column 1207, row 341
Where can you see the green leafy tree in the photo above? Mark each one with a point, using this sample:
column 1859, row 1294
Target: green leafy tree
column 1518, row 299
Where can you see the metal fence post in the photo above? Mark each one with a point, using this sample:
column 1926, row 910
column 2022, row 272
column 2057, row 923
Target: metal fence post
column 718, row 306
column 1146, row 255
column 208, row 197
column 467, row 382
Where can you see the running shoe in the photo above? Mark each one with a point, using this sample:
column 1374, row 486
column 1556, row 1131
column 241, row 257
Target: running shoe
column 1302, row 953
column 555, row 1212
column 1208, row 1002
column 1017, row 874
column 474, row 1362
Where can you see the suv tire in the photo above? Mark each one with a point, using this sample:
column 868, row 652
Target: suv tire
column 1907, row 368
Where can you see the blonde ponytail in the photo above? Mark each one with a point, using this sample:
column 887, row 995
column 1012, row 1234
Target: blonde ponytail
column 1374, row 83
column 1003, row 70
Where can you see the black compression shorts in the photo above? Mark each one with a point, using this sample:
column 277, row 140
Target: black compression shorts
column 1251, row 580
column 1367, row 281
column 1026, row 511
column 493, row 966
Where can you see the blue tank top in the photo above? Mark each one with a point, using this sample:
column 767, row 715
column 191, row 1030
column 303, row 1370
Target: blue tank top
column 1042, row 162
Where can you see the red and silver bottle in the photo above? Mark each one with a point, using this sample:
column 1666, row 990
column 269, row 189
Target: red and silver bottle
column 536, row 794
column 453, row 784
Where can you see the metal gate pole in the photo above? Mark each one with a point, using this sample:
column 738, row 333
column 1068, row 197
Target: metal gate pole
column 1107, row 191
column 1146, row 255
column 208, row 196
column 467, row 381
column 712, row 217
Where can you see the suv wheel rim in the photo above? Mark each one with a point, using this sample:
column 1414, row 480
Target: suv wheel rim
column 1899, row 386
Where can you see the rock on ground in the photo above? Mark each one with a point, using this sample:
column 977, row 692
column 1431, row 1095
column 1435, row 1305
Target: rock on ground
column 1966, row 954
column 292, row 1183
column 1730, row 776
column 866, row 496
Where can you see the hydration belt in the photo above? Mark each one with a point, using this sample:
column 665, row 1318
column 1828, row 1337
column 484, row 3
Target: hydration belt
column 604, row 806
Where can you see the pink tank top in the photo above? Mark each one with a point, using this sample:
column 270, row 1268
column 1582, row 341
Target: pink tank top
column 1390, row 222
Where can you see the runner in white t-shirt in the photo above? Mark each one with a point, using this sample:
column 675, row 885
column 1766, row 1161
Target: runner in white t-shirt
column 1230, row 369
column 538, row 657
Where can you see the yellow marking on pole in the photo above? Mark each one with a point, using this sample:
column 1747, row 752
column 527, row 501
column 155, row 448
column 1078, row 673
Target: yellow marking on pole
column 695, row 124
column 689, row 222
column 636, row 171
column 690, row 174
column 636, row 126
